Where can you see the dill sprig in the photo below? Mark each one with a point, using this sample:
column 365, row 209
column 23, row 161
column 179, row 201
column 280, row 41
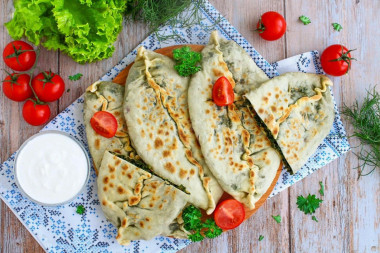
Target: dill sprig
column 366, row 122
column 174, row 13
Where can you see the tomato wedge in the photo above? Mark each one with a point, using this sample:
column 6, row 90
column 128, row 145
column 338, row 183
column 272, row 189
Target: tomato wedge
column 222, row 92
column 229, row 214
column 104, row 123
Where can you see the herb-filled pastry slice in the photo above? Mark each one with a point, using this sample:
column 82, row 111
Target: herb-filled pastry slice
column 140, row 204
column 297, row 109
column 235, row 148
column 107, row 97
column 156, row 112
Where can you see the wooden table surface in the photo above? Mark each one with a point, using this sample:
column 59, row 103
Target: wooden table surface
column 349, row 215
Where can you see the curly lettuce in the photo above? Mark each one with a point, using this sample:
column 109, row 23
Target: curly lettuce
column 83, row 29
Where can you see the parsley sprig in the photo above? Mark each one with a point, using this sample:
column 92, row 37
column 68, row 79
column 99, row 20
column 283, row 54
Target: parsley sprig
column 277, row 218
column 192, row 222
column 322, row 190
column 305, row 20
column 309, row 204
column 80, row 209
column 75, row 77
column 337, row 27
column 187, row 61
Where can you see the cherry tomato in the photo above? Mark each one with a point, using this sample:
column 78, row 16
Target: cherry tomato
column 271, row 26
column 16, row 87
column 229, row 214
column 19, row 55
column 48, row 86
column 336, row 60
column 222, row 92
column 34, row 113
column 104, row 123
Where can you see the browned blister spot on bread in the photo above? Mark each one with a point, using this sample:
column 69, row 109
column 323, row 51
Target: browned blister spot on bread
column 245, row 136
column 120, row 190
column 111, row 168
column 132, row 201
column 97, row 144
column 217, row 73
column 158, row 143
column 169, row 167
column 182, row 173
column 124, row 223
column 138, row 188
column 166, row 153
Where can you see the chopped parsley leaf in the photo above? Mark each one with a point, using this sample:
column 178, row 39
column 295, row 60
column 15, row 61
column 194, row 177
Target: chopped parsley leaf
column 80, row 209
column 322, row 190
column 75, row 77
column 337, row 27
column 305, row 20
column 309, row 204
column 277, row 218
column 314, row 218
column 261, row 237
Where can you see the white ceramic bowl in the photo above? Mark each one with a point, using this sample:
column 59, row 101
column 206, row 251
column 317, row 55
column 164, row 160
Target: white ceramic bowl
column 26, row 143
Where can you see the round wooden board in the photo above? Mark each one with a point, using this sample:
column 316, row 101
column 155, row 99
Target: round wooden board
column 122, row 77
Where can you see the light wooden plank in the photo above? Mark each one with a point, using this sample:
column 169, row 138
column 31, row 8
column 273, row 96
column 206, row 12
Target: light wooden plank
column 14, row 131
column 347, row 217
column 365, row 201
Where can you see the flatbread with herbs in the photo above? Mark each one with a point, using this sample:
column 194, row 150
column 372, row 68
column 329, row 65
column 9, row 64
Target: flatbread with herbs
column 298, row 111
column 140, row 204
column 107, row 96
column 235, row 148
column 156, row 111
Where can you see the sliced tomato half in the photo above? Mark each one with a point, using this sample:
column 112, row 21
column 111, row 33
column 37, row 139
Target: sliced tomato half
column 229, row 214
column 104, row 123
column 222, row 92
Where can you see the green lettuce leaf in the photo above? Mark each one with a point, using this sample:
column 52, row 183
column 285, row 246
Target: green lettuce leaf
column 83, row 29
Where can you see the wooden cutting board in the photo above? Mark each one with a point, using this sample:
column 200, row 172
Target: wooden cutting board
column 168, row 51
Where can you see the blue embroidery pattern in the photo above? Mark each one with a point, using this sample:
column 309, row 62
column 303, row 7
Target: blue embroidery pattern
column 60, row 229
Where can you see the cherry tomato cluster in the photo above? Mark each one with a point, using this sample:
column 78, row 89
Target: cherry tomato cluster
column 20, row 86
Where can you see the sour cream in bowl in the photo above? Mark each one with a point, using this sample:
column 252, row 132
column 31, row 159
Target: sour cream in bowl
column 52, row 168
